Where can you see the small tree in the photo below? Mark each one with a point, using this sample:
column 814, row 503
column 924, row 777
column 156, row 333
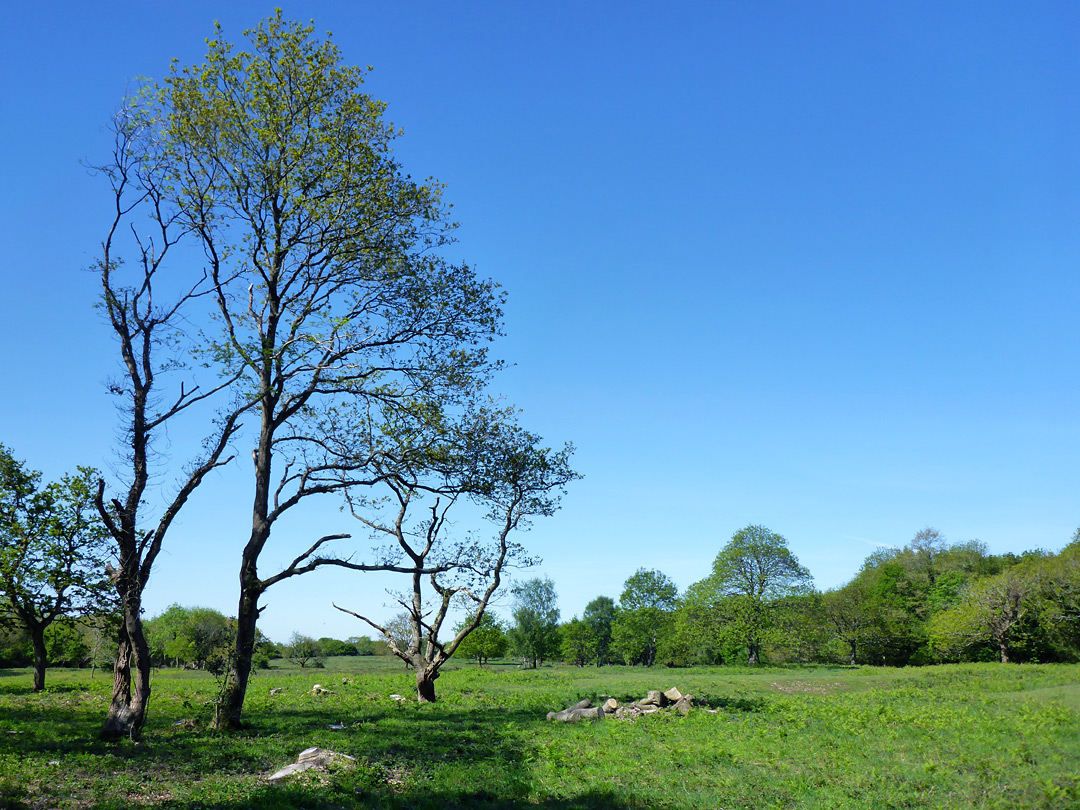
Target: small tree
column 850, row 613
column 483, row 459
column 52, row 552
column 190, row 636
column 487, row 641
column 304, row 651
column 535, row 634
column 578, row 643
column 598, row 616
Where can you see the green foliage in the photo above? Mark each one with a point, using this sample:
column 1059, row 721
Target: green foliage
column 485, row 642
column 195, row 637
column 697, row 629
column 53, row 555
column 332, row 647
column 304, row 651
column 362, row 644
column 599, row 616
column 644, row 616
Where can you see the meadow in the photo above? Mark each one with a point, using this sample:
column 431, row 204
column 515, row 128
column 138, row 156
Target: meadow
column 963, row 736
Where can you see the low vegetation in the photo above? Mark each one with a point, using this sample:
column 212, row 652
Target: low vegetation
column 964, row 736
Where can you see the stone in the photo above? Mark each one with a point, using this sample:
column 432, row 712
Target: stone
column 309, row 758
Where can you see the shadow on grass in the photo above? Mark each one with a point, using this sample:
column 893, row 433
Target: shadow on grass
column 409, row 758
column 288, row 799
column 736, row 704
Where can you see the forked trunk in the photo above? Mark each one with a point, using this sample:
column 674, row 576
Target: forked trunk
column 425, row 684
column 131, row 683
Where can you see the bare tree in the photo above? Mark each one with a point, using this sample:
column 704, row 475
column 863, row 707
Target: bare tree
column 486, row 461
column 148, row 326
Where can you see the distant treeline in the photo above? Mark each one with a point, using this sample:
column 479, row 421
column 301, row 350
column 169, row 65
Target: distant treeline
column 929, row 602
column 187, row 637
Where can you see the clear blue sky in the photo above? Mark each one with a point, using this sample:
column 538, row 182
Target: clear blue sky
column 809, row 265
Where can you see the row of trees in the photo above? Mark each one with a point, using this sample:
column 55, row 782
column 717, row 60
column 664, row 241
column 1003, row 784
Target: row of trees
column 930, row 601
column 201, row 638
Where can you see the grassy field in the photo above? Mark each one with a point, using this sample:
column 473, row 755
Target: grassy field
column 970, row 736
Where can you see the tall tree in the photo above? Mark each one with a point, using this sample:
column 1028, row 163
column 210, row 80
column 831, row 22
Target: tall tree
column 599, row 615
column 645, row 610
column 324, row 265
column 535, row 634
column 757, row 570
column 53, row 552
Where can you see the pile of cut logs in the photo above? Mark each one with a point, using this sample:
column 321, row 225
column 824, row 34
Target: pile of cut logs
column 653, row 702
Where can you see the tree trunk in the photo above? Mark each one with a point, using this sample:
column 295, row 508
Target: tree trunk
column 1003, row 646
column 230, row 707
column 852, row 643
column 425, row 684
column 753, row 656
column 37, row 637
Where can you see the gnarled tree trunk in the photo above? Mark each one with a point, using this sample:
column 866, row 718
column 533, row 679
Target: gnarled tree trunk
column 131, row 681
column 425, row 683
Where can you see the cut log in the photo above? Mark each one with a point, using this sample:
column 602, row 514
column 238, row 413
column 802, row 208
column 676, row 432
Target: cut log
column 576, row 715
column 673, row 695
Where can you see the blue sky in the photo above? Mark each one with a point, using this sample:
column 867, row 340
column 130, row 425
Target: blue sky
column 811, row 266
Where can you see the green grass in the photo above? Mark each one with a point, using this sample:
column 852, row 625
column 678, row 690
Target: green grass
column 970, row 736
